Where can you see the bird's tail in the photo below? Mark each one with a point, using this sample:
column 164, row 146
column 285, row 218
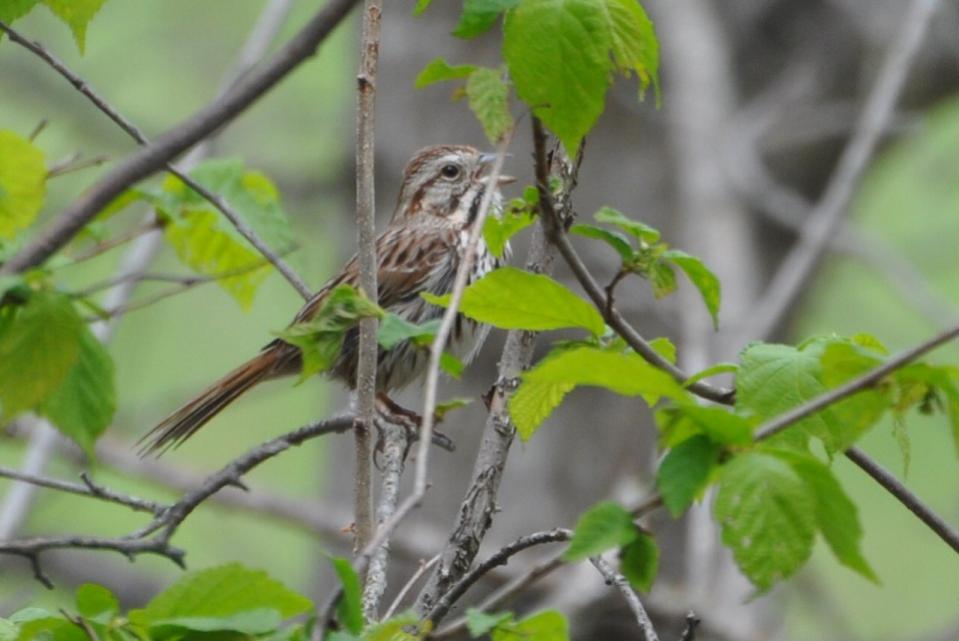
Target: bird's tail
column 183, row 423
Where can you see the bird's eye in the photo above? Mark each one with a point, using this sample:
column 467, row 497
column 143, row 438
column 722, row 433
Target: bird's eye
column 450, row 170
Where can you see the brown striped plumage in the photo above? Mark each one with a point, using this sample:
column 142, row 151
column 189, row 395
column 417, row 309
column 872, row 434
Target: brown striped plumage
column 419, row 251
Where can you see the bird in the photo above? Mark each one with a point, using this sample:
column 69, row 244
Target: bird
column 419, row 251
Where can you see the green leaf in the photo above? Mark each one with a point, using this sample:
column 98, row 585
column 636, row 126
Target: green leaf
column 77, row 14
column 393, row 330
column 438, row 70
column 394, row 628
column 11, row 10
column 665, row 348
column 42, row 625
column 84, row 403
column 320, row 339
column 421, row 6
column 479, row 15
column 207, row 242
column 603, row 527
column 453, row 404
column 639, row 562
column 713, row 370
column 640, row 231
column 480, row 623
column 614, row 239
column 700, row 276
column 96, row 603
column 488, row 97
column 39, row 344
column 901, row 435
column 836, row 514
column 767, row 514
column 685, row 471
column 775, row 378
column 9, row 631
column 561, row 55
column 543, row 388
column 350, row 608
column 511, row 298
column 23, row 176
column 548, row 625
column 662, row 278
column 498, row 230
column 227, row 597
column 719, row 424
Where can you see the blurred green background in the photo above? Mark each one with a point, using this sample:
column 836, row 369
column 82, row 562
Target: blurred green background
column 159, row 61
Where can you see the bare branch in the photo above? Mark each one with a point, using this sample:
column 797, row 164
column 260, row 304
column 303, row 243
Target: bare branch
column 366, row 255
column 154, row 538
column 215, row 199
column 617, row 580
column 166, row 147
column 88, row 488
column 451, row 596
column 416, row 576
column 798, row 266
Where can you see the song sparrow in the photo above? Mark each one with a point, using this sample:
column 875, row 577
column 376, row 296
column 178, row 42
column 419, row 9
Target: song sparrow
column 419, row 251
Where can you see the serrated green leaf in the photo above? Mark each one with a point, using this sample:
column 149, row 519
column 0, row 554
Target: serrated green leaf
column 39, row 344
column 719, row 424
column 393, row 330
column 767, row 514
column 438, row 70
column 479, row 15
column 836, row 515
column 713, row 370
column 548, row 625
column 498, row 230
column 77, row 14
column 349, row 610
column 775, row 378
column 699, row 275
column 543, row 388
column 640, row 231
column 662, row 279
column 96, row 603
column 603, row 527
column 320, row 338
column 684, row 472
column 208, row 243
column 226, row 597
column 639, row 562
column 82, row 406
column 511, row 298
column 561, row 55
column 480, row 623
column 614, row 239
column 9, row 631
column 488, row 97
column 23, row 176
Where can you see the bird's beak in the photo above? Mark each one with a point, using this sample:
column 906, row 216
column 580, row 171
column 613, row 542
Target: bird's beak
column 487, row 159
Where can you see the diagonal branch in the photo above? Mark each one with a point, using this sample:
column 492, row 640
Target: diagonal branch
column 215, row 199
column 87, row 488
column 614, row 578
column 178, row 139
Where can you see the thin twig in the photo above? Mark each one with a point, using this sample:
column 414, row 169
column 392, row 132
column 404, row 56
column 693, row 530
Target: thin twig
column 614, row 578
column 178, row 139
column 892, row 485
column 799, row 265
column 366, row 255
column 88, row 488
column 74, row 163
column 122, row 238
column 501, row 557
column 416, row 576
column 154, row 538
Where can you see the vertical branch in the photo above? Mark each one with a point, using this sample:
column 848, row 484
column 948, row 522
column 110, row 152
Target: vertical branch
column 366, row 239
column 45, row 439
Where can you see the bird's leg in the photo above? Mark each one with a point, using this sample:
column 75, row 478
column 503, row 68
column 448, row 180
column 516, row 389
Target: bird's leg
column 390, row 410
